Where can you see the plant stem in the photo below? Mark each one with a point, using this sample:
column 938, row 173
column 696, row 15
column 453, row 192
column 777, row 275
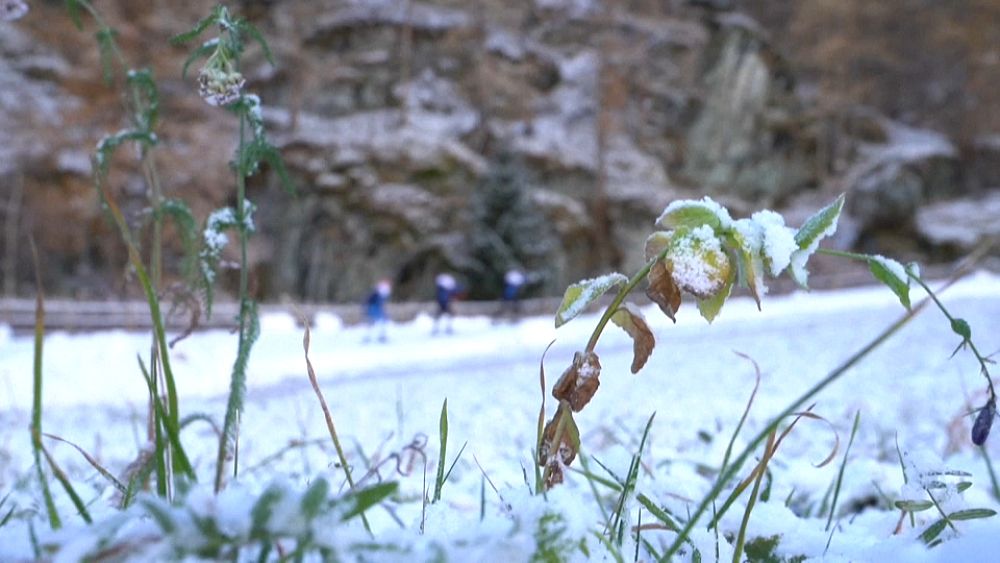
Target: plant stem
column 834, row 375
column 238, row 382
column 36, row 410
column 920, row 281
column 742, row 536
column 620, row 297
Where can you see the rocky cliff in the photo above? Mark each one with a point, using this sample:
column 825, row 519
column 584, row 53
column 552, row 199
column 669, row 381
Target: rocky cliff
column 471, row 137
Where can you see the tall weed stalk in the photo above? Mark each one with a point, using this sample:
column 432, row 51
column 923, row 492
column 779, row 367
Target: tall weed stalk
column 221, row 84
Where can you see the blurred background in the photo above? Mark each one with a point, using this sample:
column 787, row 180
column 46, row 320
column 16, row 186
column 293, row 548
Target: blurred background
column 477, row 137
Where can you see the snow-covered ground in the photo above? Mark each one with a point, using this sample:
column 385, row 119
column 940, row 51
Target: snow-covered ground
column 383, row 396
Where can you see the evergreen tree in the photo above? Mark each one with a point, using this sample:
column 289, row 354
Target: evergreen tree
column 509, row 231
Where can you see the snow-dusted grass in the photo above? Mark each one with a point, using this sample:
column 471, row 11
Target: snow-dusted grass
column 387, row 400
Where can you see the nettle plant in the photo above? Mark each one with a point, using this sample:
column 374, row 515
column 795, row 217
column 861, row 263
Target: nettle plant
column 700, row 250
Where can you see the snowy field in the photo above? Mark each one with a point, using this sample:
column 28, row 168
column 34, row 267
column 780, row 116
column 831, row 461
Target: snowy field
column 384, row 396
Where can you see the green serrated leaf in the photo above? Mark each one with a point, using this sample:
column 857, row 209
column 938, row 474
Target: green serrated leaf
column 820, row 224
column 913, row 505
column 581, row 294
column 255, row 34
column 972, row 514
column 881, row 268
column 206, row 49
column 363, row 499
column 197, row 30
column 933, row 531
column 314, row 498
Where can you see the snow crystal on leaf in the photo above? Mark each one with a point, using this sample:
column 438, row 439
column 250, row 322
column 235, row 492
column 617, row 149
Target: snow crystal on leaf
column 893, row 267
column 583, row 293
column 697, row 262
column 778, row 241
column 693, row 213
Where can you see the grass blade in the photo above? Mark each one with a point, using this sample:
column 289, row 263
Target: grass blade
column 36, row 409
column 329, row 418
column 443, row 434
column 840, row 475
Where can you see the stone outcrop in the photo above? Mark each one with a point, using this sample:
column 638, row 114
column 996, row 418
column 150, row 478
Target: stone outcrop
column 395, row 119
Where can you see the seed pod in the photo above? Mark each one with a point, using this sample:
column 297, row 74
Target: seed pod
column 981, row 428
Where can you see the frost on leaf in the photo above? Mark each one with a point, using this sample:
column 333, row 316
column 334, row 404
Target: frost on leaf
column 808, row 237
column 709, row 308
column 697, row 262
column 567, row 448
column 777, row 241
column 630, row 318
column 690, row 214
column 583, row 293
column 893, row 275
column 579, row 382
column 746, row 239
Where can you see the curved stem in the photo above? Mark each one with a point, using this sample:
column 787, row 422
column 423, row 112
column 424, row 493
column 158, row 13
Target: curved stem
column 620, row 297
column 983, row 363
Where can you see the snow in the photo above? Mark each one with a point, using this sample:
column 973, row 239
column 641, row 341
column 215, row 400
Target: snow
column 894, row 267
column 908, row 392
column 778, row 240
column 590, row 290
column 697, row 262
column 705, row 204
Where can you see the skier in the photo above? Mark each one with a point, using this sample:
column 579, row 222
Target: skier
column 513, row 282
column 375, row 310
column 445, row 289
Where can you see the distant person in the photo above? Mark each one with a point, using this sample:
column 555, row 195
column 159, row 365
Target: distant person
column 445, row 289
column 513, row 283
column 375, row 310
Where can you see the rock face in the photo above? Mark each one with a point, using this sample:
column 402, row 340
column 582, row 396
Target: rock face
column 749, row 138
column 432, row 136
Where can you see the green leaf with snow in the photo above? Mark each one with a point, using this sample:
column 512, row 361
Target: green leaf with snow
column 363, row 499
column 972, row 514
column 914, row 505
column 709, row 308
column 581, row 294
column 749, row 265
column 690, row 214
column 263, row 509
column 697, row 262
column 314, row 498
column 933, row 531
column 816, row 228
column 893, row 275
column 822, row 224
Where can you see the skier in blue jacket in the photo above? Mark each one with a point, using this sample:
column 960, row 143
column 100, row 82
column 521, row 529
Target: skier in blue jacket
column 375, row 310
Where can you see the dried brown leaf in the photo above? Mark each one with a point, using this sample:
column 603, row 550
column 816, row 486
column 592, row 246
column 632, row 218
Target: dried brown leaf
column 630, row 318
column 580, row 381
column 662, row 290
column 562, row 429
